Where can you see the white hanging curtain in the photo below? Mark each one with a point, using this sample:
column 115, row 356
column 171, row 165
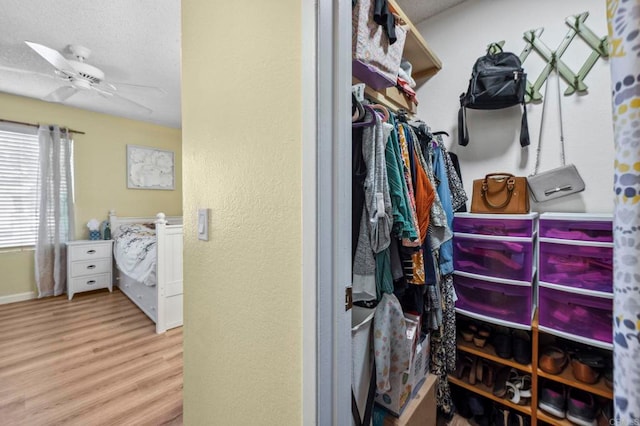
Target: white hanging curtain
column 624, row 40
column 55, row 209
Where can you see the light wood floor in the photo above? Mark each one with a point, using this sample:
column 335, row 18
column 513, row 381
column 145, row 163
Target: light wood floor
column 94, row 360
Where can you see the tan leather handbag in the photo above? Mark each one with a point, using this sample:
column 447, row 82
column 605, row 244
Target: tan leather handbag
column 500, row 193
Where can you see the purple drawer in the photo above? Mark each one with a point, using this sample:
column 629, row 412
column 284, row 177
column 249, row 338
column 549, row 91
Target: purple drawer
column 512, row 260
column 586, row 267
column 496, row 227
column 582, row 230
column 578, row 314
column 500, row 301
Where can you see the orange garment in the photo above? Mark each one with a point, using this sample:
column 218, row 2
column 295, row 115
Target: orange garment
column 425, row 195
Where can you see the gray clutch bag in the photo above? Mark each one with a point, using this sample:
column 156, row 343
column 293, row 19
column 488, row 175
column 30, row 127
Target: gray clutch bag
column 555, row 183
column 560, row 182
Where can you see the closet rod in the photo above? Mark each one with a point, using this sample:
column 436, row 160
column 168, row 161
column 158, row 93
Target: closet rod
column 37, row 125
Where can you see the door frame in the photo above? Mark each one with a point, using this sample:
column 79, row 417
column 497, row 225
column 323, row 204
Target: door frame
column 326, row 211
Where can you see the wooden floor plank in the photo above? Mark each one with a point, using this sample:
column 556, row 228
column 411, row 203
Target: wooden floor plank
column 94, row 360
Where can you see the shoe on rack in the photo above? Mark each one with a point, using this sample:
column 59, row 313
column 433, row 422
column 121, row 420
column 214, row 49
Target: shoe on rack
column 606, row 415
column 553, row 360
column 553, row 399
column 587, row 364
column 521, row 345
column 518, row 387
column 502, row 344
column 501, row 416
column 500, row 385
column 481, row 336
column 584, row 372
column 517, row 419
column 486, row 372
column 581, row 408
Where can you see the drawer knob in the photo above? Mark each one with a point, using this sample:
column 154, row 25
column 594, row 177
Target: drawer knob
column 91, row 267
column 91, row 251
column 91, row 282
column 139, row 297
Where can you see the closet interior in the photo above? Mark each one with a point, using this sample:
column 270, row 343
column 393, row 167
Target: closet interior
column 498, row 318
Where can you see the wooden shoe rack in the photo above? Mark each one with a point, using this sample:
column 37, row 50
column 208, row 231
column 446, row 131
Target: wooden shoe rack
column 539, row 339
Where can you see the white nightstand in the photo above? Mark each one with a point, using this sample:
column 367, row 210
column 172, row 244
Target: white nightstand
column 89, row 266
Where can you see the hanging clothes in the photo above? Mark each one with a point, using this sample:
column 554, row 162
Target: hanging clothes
column 442, row 187
column 456, row 165
column 376, row 219
column 458, row 194
column 443, row 348
column 403, row 227
column 412, row 255
column 358, row 174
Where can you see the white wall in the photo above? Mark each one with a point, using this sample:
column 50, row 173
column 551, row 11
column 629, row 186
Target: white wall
column 461, row 34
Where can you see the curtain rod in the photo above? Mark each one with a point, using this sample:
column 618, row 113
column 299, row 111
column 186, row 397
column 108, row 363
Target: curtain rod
column 37, row 125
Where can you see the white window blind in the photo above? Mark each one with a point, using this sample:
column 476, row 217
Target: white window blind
column 19, row 185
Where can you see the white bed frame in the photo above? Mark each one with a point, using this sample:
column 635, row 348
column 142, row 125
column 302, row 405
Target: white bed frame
column 162, row 302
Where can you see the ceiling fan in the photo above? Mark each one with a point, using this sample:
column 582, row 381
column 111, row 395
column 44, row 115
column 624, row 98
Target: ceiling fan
column 80, row 76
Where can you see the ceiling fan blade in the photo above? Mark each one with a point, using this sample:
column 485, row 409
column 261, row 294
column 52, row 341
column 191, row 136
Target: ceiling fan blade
column 122, row 100
column 138, row 87
column 52, row 56
column 21, row 71
column 61, row 94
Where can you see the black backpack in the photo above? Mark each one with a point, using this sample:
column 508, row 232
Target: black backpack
column 497, row 81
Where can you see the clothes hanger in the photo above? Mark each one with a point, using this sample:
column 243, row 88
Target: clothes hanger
column 359, row 109
column 401, row 115
column 440, row 132
column 383, row 110
column 366, row 123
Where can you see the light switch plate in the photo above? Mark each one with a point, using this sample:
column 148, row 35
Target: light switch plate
column 203, row 224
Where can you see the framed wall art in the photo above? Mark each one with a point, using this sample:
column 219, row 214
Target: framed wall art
column 150, row 168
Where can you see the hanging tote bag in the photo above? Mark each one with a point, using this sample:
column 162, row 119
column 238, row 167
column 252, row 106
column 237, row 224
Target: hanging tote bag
column 559, row 182
column 376, row 59
column 500, row 193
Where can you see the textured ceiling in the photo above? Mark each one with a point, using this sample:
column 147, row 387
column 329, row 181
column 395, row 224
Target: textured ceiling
column 132, row 41
column 419, row 10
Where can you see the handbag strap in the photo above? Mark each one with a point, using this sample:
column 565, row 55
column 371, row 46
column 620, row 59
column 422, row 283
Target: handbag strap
column 544, row 103
column 509, row 184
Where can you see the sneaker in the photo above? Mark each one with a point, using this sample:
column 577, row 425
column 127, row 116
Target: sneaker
column 581, row 408
column 553, row 399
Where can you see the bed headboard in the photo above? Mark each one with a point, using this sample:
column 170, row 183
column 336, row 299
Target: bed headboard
column 116, row 221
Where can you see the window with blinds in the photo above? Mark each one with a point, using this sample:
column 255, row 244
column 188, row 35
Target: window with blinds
column 19, row 185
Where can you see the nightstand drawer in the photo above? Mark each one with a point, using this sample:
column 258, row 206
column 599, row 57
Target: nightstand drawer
column 90, row 267
column 90, row 251
column 91, row 283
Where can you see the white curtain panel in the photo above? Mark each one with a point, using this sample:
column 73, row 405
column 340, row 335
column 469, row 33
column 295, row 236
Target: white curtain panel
column 55, row 210
column 624, row 47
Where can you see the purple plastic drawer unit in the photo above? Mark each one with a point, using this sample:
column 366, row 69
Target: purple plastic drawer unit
column 512, row 260
column 506, row 302
column 581, row 230
column 495, row 227
column 577, row 314
column 587, row 267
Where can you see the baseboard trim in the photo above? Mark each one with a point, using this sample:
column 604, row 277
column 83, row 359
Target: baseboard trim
column 20, row 297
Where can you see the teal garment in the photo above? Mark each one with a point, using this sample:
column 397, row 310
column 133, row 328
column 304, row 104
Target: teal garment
column 403, row 226
column 384, row 280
